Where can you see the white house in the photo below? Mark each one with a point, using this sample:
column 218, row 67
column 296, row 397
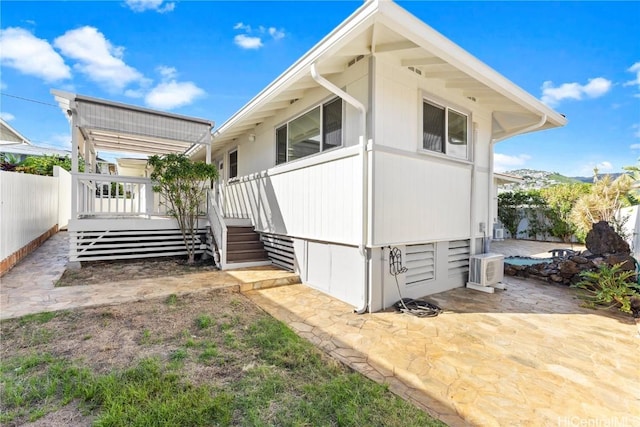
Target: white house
column 381, row 136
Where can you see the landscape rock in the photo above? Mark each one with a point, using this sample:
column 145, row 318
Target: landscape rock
column 568, row 268
column 602, row 239
column 627, row 261
column 604, row 245
column 556, row 278
column 580, row 259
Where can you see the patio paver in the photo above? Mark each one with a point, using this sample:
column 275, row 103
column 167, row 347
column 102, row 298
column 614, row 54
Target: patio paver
column 527, row 356
column 29, row 287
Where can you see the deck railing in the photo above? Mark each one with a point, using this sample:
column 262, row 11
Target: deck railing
column 115, row 195
column 219, row 230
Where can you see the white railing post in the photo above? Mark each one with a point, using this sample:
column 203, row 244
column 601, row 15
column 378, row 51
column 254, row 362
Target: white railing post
column 150, row 205
column 219, row 230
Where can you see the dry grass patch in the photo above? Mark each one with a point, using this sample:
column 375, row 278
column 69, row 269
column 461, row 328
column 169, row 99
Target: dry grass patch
column 209, row 358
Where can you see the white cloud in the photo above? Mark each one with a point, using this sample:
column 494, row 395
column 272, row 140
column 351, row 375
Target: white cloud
column 167, row 72
column 593, row 89
column 7, row 117
column 503, row 162
column 172, row 94
column 60, row 140
column 635, row 68
column 635, row 146
column 3, row 85
column 588, row 168
column 605, row 166
column 242, row 26
column 275, row 33
column 97, row 58
column 253, row 37
column 30, row 55
column 636, row 132
column 143, row 5
column 247, row 42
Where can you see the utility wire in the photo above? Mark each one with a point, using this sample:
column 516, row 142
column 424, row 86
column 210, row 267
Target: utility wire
column 28, row 99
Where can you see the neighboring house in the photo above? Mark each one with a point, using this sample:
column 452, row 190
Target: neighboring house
column 8, row 135
column 14, row 143
column 381, row 136
column 22, row 151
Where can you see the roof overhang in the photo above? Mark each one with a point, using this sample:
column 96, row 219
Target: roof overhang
column 114, row 127
column 503, row 178
column 381, row 27
column 19, row 138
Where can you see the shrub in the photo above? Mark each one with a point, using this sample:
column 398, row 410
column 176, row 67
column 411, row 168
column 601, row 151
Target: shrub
column 610, row 286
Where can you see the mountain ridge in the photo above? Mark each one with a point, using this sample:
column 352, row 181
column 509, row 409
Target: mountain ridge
column 536, row 179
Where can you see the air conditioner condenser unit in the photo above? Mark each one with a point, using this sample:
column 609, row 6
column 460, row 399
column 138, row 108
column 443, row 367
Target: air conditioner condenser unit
column 486, row 272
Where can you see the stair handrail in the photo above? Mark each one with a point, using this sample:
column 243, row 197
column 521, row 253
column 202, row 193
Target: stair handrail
column 219, row 230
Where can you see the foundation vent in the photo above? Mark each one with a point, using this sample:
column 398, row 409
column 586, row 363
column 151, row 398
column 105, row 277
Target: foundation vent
column 458, row 257
column 420, row 263
column 354, row 60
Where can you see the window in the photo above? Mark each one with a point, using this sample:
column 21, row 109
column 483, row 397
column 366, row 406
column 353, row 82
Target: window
column 317, row 130
column 233, row 164
column 444, row 130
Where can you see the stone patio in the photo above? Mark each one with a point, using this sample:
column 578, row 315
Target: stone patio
column 526, row 356
column 30, row 286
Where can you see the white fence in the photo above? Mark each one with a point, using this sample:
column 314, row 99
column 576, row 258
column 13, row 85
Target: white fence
column 632, row 228
column 30, row 205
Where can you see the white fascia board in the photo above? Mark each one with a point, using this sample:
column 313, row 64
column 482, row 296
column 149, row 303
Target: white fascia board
column 407, row 25
column 339, row 36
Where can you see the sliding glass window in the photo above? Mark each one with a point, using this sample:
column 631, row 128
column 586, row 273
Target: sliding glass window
column 319, row 129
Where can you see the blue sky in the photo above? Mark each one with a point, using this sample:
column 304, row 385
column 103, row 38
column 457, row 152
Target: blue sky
column 207, row 59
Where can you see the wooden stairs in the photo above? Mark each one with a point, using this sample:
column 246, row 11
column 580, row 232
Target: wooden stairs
column 244, row 245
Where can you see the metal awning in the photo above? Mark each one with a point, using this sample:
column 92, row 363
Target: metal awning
column 109, row 126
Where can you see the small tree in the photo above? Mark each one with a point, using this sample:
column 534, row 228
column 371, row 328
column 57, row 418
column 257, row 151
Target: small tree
column 43, row 165
column 535, row 210
column 560, row 201
column 183, row 183
column 510, row 210
column 604, row 201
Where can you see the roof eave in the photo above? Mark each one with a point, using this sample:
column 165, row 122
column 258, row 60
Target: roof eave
column 424, row 35
column 302, row 66
column 415, row 30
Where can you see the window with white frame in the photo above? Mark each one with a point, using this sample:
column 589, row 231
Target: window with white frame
column 233, row 164
column 445, row 130
column 319, row 129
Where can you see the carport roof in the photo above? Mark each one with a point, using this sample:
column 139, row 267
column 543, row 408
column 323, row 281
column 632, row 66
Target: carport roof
column 115, row 127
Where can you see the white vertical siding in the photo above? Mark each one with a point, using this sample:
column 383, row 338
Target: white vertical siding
column 335, row 269
column 320, row 202
column 420, row 199
column 28, row 208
